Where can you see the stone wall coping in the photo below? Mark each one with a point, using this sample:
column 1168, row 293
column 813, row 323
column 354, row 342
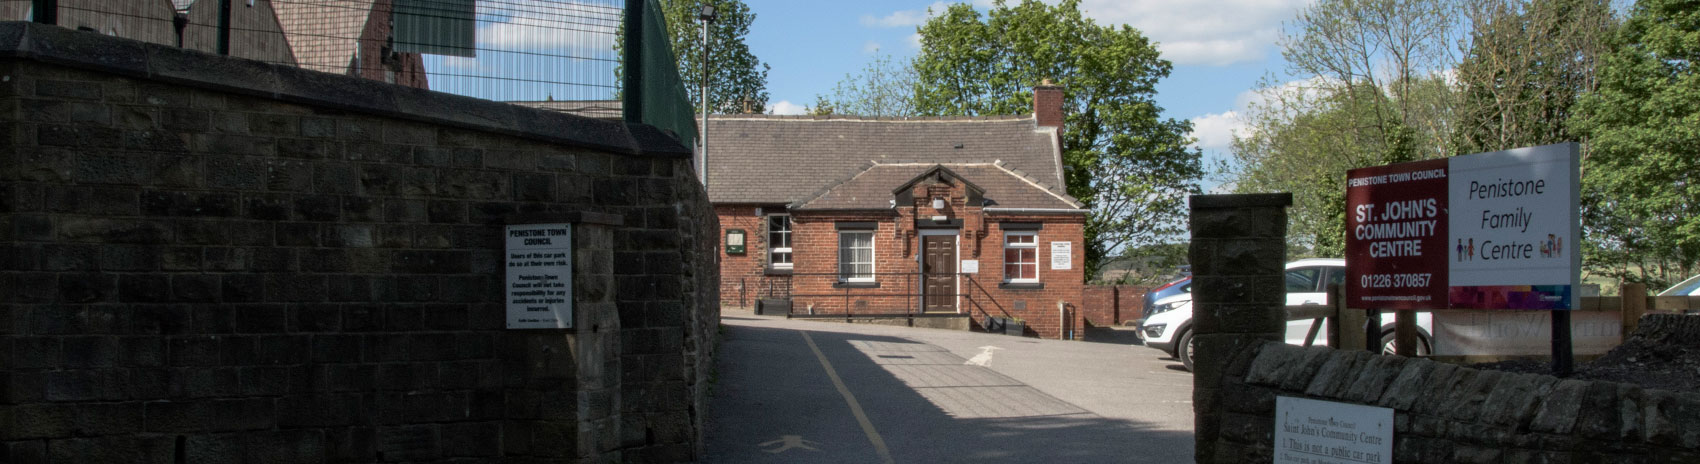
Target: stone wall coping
column 1241, row 200
column 576, row 217
column 126, row 57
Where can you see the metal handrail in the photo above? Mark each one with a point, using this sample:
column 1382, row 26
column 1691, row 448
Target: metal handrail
column 907, row 290
column 976, row 305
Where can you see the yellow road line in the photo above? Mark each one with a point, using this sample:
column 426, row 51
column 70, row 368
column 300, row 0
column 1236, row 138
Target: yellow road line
column 855, row 408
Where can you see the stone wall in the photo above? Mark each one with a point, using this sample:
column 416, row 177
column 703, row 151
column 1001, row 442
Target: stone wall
column 1446, row 413
column 208, row 259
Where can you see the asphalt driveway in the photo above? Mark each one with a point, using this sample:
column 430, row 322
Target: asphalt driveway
column 812, row 391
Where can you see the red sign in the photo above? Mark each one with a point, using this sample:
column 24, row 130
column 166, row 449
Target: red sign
column 1396, row 234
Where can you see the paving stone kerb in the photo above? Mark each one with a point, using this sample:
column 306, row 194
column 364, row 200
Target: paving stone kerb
column 1239, row 244
column 214, row 260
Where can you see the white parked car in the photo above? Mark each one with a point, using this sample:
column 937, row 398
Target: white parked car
column 1169, row 325
column 1690, row 287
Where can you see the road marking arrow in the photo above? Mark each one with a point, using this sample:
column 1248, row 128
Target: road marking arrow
column 984, row 359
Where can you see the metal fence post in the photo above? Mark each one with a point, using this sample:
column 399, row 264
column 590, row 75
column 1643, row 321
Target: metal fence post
column 46, row 11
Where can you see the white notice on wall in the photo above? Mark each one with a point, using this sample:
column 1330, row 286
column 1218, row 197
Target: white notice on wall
column 1062, row 255
column 540, row 276
column 970, row 266
column 1324, row 432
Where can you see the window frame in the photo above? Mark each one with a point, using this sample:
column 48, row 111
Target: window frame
column 790, row 239
column 1034, row 246
column 846, row 275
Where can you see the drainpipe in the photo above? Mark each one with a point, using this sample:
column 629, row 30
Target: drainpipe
column 1062, row 314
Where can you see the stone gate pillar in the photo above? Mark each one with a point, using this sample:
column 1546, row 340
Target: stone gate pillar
column 1239, row 247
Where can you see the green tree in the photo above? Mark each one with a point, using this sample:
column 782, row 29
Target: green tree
column 1641, row 190
column 737, row 77
column 822, row 107
column 1302, row 140
column 1132, row 167
column 1373, row 92
column 1525, row 65
column 884, row 88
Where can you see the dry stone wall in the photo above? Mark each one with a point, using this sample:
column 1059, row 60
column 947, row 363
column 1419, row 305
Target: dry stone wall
column 1447, row 413
column 207, row 259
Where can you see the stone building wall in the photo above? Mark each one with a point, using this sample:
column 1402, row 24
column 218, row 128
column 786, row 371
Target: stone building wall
column 209, row 259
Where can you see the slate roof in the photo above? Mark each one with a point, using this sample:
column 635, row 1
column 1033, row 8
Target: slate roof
column 871, row 188
column 787, row 159
column 323, row 34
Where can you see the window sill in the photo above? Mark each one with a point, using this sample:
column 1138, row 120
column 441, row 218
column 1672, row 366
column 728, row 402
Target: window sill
column 1021, row 285
column 774, row 271
column 842, row 284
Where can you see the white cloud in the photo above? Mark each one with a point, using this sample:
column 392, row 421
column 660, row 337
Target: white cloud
column 905, row 18
column 537, row 24
column 871, row 47
column 915, row 40
column 1216, row 131
column 1213, row 33
column 786, row 107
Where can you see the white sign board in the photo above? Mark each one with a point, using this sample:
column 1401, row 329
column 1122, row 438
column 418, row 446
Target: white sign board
column 1062, row 255
column 1514, row 230
column 1522, row 333
column 540, row 276
column 970, row 266
column 1324, row 432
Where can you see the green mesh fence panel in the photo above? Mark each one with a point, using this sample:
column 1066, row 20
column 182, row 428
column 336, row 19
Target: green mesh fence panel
column 661, row 98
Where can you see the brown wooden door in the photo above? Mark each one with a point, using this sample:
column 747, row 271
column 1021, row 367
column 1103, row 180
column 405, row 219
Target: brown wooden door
column 939, row 270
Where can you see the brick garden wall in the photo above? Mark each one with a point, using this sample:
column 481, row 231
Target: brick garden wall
column 217, row 260
column 1108, row 305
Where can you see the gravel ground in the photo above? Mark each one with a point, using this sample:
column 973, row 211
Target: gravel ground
column 1664, row 354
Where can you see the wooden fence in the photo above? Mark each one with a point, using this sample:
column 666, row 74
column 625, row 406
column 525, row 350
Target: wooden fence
column 1632, row 302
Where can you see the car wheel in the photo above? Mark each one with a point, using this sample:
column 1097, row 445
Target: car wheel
column 1387, row 341
column 1183, row 349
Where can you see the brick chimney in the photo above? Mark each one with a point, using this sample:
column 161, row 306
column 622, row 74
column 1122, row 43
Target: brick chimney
column 1048, row 104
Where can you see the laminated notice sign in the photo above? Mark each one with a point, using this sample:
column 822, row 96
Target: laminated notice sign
column 539, row 291
column 1324, row 432
column 1062, row 255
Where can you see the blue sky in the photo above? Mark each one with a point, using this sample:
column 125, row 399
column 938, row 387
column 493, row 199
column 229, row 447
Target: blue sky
column 1221, row 49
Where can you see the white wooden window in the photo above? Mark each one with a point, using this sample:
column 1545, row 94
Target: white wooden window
column 1021, row 257
column 856, row 255
column 779, row 241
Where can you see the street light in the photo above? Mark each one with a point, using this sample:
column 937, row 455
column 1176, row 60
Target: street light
column 706, row 14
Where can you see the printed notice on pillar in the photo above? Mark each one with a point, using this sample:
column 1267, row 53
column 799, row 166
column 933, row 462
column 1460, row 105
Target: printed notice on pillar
column 1324, row 432
column 540, row 276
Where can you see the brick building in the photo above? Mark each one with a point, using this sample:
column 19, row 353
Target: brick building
column 957, row 217
column 348, row 37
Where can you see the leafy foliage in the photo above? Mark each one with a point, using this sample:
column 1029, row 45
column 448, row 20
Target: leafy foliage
column 1132, row 167
column 737, row 78
column 1526, row 64
column 883, row 88
column 1376, row 95
column 1641, row 188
